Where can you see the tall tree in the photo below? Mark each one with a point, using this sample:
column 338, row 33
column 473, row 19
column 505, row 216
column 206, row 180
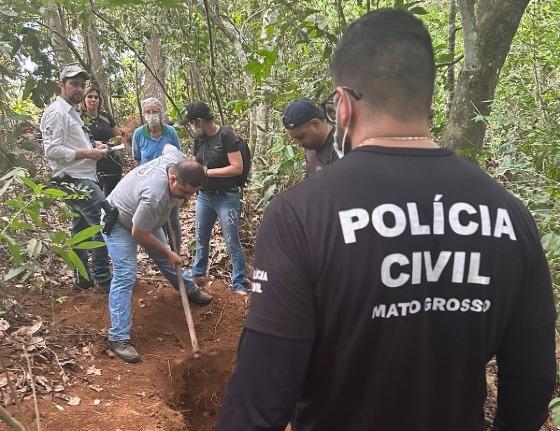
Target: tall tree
column 95, row 61
column 487, row 39
column 154, row 86
column 54, row 19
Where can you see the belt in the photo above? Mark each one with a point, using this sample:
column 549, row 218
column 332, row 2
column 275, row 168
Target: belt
column 219, row 192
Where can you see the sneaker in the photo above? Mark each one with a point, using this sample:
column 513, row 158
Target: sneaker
column 200, row 297
column 242, row 292
column 125, row 350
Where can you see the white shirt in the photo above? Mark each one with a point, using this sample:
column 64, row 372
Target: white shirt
column 63, row 134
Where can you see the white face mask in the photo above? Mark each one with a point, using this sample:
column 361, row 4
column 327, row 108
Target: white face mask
column 197, row 131
column 152, row 119
column 344, row 145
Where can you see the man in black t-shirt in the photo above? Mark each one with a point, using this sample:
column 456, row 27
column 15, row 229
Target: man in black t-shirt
column 384, row 284
column 217, row 149
column 305, row 123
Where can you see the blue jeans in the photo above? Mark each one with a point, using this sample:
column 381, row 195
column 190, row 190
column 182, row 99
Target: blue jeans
column 225, row 207
column 88, row 212
column 122, row 249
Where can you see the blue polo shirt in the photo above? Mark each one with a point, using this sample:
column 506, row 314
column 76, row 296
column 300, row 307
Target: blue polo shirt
column 146, row 148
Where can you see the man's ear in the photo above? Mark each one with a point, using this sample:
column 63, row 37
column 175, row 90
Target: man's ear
column 343, row 108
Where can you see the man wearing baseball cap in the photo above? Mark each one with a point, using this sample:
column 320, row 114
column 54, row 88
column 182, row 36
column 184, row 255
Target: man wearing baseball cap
column 73, row 160
column 305, row 123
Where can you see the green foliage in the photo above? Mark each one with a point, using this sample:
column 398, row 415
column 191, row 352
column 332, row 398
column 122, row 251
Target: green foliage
column 554, row 407
column 26, row 234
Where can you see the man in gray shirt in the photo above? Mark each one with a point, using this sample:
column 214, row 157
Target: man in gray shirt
column 145, row 198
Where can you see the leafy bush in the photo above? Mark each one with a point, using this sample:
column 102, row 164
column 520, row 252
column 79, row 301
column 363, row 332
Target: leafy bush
column 27, row 226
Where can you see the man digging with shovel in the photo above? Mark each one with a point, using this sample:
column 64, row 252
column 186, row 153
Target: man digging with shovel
column 144, row 199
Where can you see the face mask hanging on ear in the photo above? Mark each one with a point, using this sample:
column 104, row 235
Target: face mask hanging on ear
column 344, row 145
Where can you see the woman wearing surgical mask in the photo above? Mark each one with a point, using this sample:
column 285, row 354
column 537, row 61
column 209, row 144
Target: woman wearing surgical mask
column 148, row 142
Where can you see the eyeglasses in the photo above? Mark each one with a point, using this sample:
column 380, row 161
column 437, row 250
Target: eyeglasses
column 329, row 106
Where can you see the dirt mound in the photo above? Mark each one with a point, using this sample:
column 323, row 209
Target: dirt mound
column 167, row 390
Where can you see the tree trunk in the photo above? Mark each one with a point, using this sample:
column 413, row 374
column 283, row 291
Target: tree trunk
column 156, row 61
column 262, row 110
column 95, row 60
column 451, row 33
column 54, row 18
column 487, row 40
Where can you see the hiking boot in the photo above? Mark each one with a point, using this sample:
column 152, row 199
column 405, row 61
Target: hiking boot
column 200, row 297
column 125, row 350
column 81, row 282
column 103, row 286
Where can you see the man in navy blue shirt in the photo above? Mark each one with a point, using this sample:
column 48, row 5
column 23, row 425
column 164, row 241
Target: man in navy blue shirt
column 305, row 123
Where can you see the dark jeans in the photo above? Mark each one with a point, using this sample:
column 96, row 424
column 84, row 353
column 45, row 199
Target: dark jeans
column 109, row 172
column 89, row 214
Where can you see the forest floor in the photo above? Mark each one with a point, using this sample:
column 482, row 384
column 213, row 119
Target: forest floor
column 80, row 385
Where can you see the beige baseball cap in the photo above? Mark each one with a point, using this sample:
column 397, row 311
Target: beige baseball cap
column 73, row 70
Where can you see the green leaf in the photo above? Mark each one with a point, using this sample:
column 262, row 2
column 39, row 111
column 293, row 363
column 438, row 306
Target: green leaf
column 418, row 10
column 28, row 88
column 59, row 237
column 86, row 245
column 87, row 233
column 9, row 12
column 14, row 273
column 54, row 193
column 554, row 408
column 34, row 248
column 551, row 243
column 18, row 224
column 78, row 264
column 63, row 254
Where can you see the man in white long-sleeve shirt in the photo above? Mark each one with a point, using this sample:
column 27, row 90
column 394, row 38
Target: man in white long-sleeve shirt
column 73, row 158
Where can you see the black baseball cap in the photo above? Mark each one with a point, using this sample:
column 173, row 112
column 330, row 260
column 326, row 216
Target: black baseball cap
column 300, row 112
column 196, row 110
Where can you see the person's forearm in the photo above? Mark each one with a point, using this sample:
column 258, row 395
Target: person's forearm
column 149, row 240
column 60, row 153
column 226, row 171
column 526, row 378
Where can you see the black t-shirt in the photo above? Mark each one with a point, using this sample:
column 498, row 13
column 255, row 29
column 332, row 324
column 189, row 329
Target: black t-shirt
column 101, row 127
column 212, row 152
column 408, row 269
column 315, row 160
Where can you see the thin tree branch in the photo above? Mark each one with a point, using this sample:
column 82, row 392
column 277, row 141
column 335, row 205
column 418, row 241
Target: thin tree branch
column 129, row 46
column 33, row 390
column 341, row 18
column 70, row 46
column 10, row 420
column 13, row 391
column 452, row 62
column 213, row 61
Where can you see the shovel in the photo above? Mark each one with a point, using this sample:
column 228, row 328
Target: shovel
column 184, row 297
